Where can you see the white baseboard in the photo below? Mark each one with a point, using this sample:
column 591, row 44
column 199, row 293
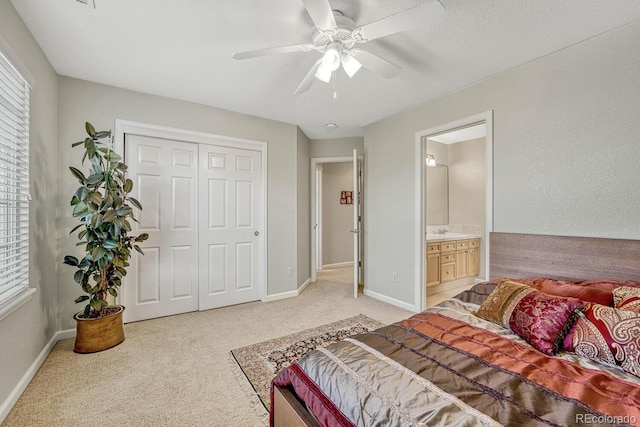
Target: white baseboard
column 338, row 265
column 389, row 300
column 290, row 294
column 282, row 295
column 304, row 285
column 31, row 372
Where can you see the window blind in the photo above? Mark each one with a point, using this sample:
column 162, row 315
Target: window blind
column 14, row 181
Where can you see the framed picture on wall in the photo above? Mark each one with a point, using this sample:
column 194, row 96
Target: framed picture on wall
column 346, row 197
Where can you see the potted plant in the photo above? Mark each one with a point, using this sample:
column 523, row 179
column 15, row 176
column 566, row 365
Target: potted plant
column 103, row 206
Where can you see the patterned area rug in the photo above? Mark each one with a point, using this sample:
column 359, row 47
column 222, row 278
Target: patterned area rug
column 261, row 362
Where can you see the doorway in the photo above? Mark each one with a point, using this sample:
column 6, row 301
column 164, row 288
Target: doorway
column 204, row 210
column 336, row 216
column 484, row 122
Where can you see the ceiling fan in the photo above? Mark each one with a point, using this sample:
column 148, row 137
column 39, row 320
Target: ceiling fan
column 337, row 37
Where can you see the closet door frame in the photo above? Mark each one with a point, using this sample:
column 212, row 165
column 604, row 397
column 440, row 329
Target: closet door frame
column 123, row 127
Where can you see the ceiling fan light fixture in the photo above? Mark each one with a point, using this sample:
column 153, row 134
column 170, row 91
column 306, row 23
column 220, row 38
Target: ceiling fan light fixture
column 323, row 73
column 331, row 58
column 350, row 65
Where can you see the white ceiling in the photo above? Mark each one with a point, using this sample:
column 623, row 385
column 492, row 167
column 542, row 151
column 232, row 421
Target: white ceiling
column 182, row 49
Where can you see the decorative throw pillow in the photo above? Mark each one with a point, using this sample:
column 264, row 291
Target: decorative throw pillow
column 627, row 298
column 543, row 320
column 609, row 335
column 499, row 305
column 540, row 319
column 564, row 288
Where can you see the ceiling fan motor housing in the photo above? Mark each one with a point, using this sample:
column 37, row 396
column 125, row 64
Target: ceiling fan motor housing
column 342, row 34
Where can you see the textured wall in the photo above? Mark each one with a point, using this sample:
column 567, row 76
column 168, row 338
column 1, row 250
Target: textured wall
column 552, row 172
column 26, row 331
column 337, row 219
column 338, row 147
column 303, row 253
column 81, row 101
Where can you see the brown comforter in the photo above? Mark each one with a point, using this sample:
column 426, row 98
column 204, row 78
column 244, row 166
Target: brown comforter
column 446, row 367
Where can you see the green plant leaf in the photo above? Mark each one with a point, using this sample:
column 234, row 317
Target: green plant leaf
column 113, row 292
column 77, row 173
column 71, row 260
column 75, row 228
column 109, row 244
column 75, row 144
column 135, row 202
column 97, row 253
column 128, row 185
column 80, row 209
column 137, row 248
column 90, row 129
column 95, row 304
column 142, row 237
column 81, row 298
column 78, row 276
column 94, row 197
column 124, row 211
column 96, row 219
column 102, row 134
column 82, row 234
column 109, row 216
column 95, row 178
column 87, row 310
column 81, row 193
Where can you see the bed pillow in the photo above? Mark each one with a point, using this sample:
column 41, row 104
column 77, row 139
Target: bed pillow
column 499, row 305
column 627, row 298
column 608, row 335
column 540, row 319
column 564, row 288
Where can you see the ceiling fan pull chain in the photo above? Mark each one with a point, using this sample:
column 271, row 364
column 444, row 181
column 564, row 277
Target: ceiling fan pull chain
column 335, row 90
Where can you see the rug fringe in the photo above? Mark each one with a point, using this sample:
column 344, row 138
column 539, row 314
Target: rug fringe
column 247, row 388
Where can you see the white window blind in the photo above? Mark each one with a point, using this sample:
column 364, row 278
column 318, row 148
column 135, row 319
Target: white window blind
column 14, row 181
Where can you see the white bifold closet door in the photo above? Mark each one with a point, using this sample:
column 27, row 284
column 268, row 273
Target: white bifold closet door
column 229, row 225
column 201, row 208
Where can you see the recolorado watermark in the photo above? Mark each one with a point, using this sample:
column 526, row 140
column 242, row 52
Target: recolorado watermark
column 605, row 419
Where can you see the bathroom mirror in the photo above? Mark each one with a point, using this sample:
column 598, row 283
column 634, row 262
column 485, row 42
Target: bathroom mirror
column 437, row 195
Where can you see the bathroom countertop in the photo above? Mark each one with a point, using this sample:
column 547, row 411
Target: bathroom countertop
column 450, row 236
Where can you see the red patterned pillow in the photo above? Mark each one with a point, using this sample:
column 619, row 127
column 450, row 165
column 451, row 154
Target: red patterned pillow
column 627, row 298
column 540, row 319
column 608, row 335
column 543, row 320
column 567, row 289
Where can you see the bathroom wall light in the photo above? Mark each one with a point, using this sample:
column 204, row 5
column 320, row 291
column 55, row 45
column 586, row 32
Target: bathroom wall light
column 430, row 160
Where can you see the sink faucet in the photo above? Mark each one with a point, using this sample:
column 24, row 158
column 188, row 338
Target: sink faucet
column 442, row 231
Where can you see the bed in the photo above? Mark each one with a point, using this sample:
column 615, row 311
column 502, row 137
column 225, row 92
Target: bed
column 448, row 366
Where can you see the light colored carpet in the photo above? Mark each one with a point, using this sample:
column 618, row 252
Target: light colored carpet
column 259, row 363
column 175, row 371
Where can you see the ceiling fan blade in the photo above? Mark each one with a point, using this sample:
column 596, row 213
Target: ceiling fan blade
column 422, row 15
column 309, row 78
column 272, row 51
column 376, row 64
column 321, row 13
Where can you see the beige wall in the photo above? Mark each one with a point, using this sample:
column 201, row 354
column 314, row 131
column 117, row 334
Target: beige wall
column 303, row 252
column 81, row 101
column 467, row 184
column 552, row 174
column 337, row 219
column 26, row 331
column 338, row 147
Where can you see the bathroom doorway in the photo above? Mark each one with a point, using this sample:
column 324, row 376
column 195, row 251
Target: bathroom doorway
column 455, row 194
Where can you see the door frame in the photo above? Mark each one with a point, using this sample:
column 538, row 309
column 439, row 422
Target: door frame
column 316, row 205
column 123, row 127
column 420, row 208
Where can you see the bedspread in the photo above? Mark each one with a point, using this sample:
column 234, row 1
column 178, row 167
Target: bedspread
column 445, row 366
